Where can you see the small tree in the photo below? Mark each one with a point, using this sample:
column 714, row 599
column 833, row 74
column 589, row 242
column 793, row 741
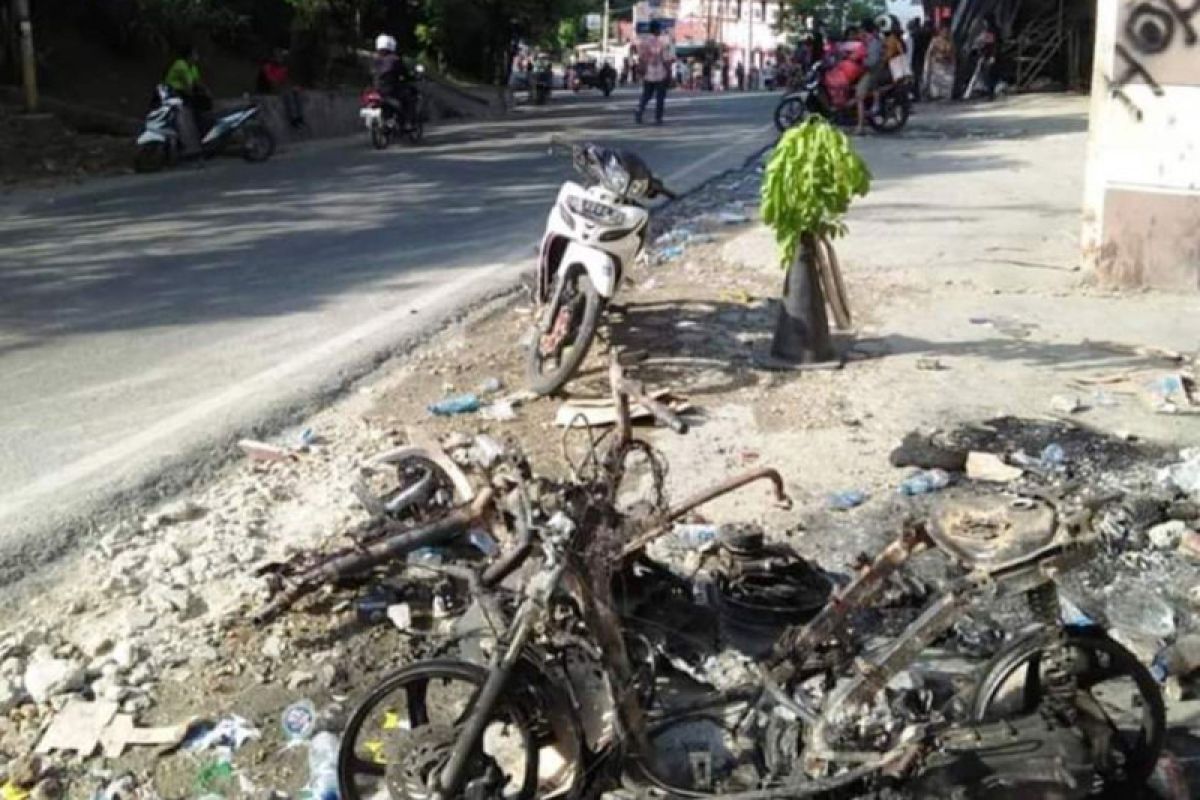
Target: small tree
column 811, row 179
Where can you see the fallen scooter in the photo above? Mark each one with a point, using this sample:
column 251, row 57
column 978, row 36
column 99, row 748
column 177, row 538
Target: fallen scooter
column 160, row 144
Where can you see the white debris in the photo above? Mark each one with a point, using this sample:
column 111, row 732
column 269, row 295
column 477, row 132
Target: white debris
column 46, row 676
column 1167, row 535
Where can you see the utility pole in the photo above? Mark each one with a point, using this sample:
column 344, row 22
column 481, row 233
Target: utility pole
column 604, row 34
column 28, row 57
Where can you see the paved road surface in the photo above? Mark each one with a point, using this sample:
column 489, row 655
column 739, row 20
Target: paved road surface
column 148, row 318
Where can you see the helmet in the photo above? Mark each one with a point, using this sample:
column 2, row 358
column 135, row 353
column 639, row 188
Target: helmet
column 385, row 42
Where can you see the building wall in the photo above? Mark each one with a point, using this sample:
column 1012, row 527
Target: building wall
column 742, row 27
column 1142, row 188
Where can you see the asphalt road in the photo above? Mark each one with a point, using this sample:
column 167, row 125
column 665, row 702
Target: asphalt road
column 146, row 321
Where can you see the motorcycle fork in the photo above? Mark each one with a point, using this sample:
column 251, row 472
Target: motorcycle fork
column 546, row 323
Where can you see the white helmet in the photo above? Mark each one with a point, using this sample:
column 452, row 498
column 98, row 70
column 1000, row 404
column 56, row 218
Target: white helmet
column 385, row 42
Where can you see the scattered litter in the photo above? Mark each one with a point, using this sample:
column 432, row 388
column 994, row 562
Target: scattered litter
column 925, row 482
column 306, row 438
column 122, row 787
column 322, row 767
column 373, row 606
column 844, row 501
column 930, row 364
column 231, row 733
column 1052, row 458
column 499, row 411
column 732, row 215
column 261, row 451
column 400, row 615
column 215, row 777
column 298, row 722
column 602, row 411
column 78, row 727
column 1007, row 326
column 1139, row 611
column 10, row 791
column 739, row 296
column 483, row 541
column 461, row 404
column 669, row 253
column 1066, row 404
column 1169, row 779
column 1189, row 545
column 1185, row 474
column 1167, row 535
column 122, row 733
column 1169, row 394
column 491, row 386
column 991, row 467
column 486, row 451
column 694, row 537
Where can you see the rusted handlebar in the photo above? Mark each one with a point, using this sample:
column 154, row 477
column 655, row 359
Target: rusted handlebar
column 738, row 481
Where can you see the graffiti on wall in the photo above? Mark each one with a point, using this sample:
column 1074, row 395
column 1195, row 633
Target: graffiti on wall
column 1157, row 44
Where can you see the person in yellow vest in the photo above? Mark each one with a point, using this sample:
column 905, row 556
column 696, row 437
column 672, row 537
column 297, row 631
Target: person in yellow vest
column 183, row 76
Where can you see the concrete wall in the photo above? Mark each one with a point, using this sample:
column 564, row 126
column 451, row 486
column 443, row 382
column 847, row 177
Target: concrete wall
column 1142, row 187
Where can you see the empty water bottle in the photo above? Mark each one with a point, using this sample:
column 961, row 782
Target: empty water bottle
column 925, row 482
column 1053, row 457
column 462, row 404
column 322, row 767
column 844, row 501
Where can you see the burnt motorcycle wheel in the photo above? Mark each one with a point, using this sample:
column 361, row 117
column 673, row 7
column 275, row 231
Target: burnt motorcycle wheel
column 1106, row 675
column 400, row 736
column 150, row 157
column 549, row 365
column 790, row 112
column 381, row 137
column 892, row 116
column 257, row 144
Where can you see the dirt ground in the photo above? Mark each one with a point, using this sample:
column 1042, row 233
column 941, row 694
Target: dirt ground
column 962, row 272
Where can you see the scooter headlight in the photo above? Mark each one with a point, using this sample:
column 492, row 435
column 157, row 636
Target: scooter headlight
column 616, row 177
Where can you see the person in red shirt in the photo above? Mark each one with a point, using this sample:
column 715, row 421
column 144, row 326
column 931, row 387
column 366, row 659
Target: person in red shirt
column 275, row 78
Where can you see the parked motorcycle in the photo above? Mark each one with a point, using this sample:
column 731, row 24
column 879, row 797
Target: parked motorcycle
column 385, row 121
column 589, row 76
column 813, row 97
column 593, row 234
column 160, row 143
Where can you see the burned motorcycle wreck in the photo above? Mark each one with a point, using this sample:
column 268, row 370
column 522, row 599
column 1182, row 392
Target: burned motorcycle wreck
column 596, row 663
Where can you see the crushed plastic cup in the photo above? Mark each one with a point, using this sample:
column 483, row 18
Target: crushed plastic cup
column 491, row 386
column 670, row 253
column 1141, row 613
column 694, row 537
column 1053, row 457
column 322, row 767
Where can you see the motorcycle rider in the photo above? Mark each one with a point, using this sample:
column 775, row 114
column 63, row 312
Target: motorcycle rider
column 393, row 79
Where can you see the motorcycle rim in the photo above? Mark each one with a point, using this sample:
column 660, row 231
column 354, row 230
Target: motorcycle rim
column 400, row 734
column 555, row 357
column 150, row 157
column 789, row 112
column 1105, row 673
column 258, row 145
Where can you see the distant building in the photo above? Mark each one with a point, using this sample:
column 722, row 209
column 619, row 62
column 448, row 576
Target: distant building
column 744, row 29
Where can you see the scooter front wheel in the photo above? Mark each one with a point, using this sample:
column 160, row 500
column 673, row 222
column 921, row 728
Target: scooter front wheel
column 381, row 137
column 150, row 157
column 790, row 111
column 258, row 144
column 401, row 736
column 554, row 357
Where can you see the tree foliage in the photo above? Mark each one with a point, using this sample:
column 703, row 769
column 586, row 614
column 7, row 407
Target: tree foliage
column 811, row 179
column 831, row 15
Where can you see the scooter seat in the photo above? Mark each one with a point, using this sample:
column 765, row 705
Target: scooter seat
column 990, row 532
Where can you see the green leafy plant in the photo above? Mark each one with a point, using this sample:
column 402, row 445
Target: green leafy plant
column 811, row 178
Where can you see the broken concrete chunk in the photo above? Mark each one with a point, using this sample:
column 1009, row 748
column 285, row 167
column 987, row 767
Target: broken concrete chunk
column 46, row 677
column 991, row 467
column 78, row 727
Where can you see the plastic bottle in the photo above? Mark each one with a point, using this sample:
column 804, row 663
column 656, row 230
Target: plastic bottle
column 322, row 767
column 1053, row 457
column 844, row 501
column 925, row 482
column 461, row 404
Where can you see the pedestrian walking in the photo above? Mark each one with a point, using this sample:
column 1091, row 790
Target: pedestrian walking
column 921, row 35
column 985, row 46
column 655, row 55
column 725, row 76
column 939, row 66
column 740, row 72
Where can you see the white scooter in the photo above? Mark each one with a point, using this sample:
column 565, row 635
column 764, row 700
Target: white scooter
column 160, row 144
column 594, row 232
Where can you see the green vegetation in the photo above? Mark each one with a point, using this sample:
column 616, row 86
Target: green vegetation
column 830, row 15
column 811, row 178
